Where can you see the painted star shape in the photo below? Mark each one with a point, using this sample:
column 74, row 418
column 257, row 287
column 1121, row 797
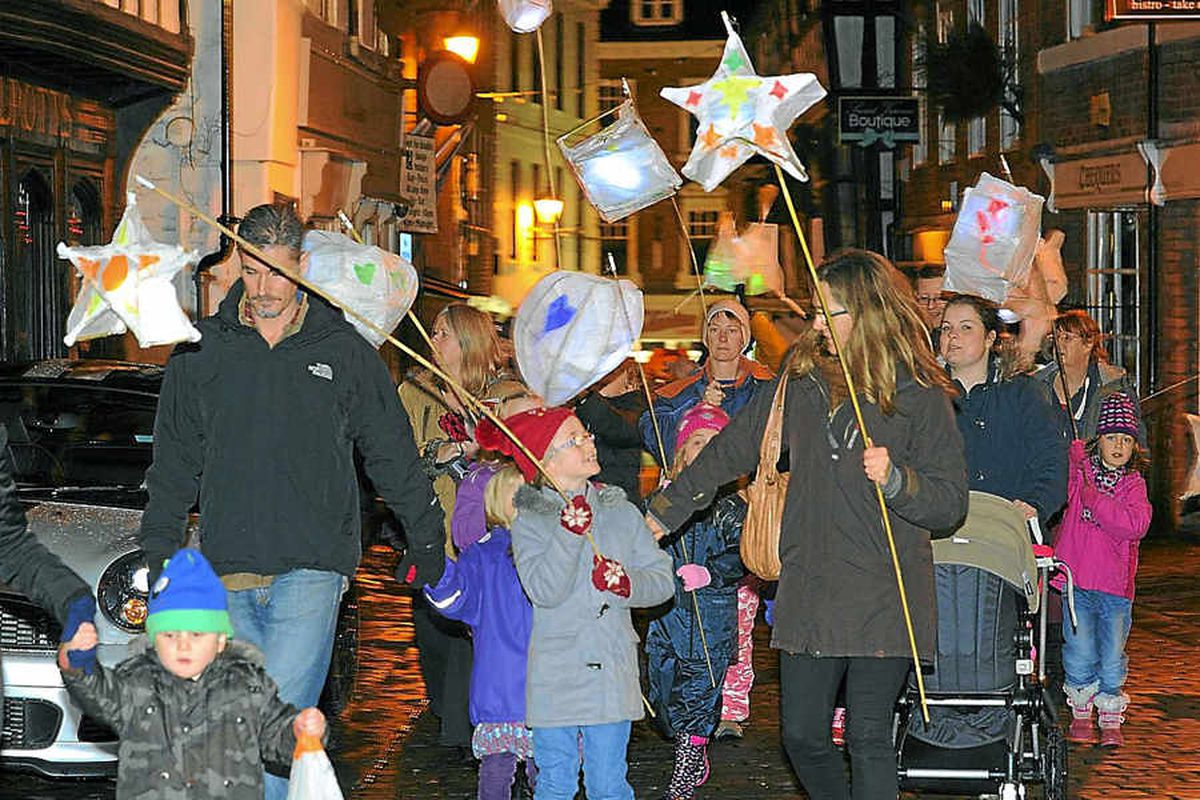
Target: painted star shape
column 126, row 285
column 741, row 114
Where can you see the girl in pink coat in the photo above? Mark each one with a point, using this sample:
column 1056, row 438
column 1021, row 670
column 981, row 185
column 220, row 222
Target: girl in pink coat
column 1107, row 515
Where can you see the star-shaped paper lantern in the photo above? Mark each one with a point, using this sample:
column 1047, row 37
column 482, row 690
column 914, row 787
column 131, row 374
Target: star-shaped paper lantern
column 127, row 286
column 741, row 113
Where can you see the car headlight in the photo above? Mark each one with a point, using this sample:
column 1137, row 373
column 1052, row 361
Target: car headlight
column 123, row 591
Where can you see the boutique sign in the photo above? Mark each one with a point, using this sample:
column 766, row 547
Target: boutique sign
column 883, row 121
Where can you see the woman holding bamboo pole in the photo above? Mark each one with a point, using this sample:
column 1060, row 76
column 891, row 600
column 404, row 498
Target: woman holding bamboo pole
column 838, row 614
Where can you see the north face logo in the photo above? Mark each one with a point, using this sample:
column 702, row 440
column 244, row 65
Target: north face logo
column 321, row 370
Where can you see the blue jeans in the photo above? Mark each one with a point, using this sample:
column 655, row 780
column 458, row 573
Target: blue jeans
column 293, row 622
column 1094, row 652
column 557, row 751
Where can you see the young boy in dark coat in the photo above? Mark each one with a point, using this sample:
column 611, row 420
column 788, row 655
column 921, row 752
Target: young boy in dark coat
column 197, row 714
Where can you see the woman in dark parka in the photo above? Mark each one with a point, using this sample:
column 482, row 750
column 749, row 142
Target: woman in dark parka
column 837, row 612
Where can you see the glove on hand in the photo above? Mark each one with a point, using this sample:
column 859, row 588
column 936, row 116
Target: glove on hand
column 694, row 577
column 81, row 610
column 576, row 516
column 609, row 576
column 770, row 613
column 418, row 568
column 82, row 659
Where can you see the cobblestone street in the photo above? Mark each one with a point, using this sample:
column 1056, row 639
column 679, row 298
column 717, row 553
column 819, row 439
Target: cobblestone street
column 386, row 745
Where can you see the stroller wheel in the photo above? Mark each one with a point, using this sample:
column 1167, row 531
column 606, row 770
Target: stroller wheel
column 1054, row 765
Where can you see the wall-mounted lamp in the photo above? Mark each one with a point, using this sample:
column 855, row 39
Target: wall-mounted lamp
column 463, row 45
column 549, row 210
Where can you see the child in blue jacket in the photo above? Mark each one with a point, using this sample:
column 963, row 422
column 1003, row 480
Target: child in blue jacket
column 690, row 647
column 482, row 590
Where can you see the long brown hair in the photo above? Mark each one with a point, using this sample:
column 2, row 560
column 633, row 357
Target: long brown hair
column 887, row 328
column 479, row 343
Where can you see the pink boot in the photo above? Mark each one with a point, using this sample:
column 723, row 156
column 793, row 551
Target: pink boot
column 1081, row 731
column 1111, row 708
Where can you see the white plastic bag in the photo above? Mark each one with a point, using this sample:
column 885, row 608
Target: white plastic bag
column 377, row 284
column 571, row 331
column 312, row 776
column 994, row 239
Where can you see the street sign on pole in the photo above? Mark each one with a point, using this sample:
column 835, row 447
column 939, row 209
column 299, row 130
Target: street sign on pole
column 1148, row 10
column 418, row 183
column 884, row 121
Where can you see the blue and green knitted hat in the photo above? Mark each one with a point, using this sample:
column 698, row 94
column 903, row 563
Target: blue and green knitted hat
column 188, row 596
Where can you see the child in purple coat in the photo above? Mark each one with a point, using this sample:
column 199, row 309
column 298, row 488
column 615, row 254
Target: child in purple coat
column 482, row 590
column 1107, row 515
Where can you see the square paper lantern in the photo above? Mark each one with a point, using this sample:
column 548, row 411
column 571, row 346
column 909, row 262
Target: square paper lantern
column 994, row 239
column 525, row 16
column 621, row 168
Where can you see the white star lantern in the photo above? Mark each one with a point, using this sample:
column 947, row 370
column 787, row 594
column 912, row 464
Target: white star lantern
column 127, row 286
column 741, row 113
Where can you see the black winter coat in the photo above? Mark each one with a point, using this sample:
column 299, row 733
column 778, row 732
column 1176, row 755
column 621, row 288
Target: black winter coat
column 837, row 591
column 267, row 437
column 25, row 563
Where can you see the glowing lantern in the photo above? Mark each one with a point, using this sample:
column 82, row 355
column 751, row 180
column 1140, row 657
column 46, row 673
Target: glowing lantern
column 621, row 168
column 571, row 331
column 127, row 286
column 374, row 282
column 994, row 239
column 525, row 16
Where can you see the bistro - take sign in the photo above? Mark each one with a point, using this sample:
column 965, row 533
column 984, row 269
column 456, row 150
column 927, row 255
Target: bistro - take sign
column 1152, row 9
column 884, row 121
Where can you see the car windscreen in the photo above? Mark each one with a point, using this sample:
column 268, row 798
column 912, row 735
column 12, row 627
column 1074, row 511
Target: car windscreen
column 77, row 436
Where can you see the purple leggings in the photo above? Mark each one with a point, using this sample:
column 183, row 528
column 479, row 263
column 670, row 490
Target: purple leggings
column 496, row 773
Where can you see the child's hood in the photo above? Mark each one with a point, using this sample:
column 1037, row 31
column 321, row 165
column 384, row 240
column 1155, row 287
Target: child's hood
column 548, row 501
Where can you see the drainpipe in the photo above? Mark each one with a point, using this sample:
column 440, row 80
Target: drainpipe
column 1153, row 221
column 226, row 246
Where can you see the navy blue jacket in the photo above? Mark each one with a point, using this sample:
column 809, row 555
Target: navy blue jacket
column 482, row 589
column 1015, row 441
column 681, row 689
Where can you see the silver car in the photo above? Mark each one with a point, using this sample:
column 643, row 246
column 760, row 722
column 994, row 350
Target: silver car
column 81, row 435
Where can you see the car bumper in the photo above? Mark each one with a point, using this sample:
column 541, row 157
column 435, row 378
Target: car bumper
column 44, row 731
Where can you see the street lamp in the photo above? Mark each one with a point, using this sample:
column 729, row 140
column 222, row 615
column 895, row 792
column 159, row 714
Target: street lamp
column 549, row 210
column 463, row 45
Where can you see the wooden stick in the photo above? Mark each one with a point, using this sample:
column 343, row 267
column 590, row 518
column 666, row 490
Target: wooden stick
column 883, row 510
column 308, row 285
column 612, row 268
column 687, row 237
column 541, row 54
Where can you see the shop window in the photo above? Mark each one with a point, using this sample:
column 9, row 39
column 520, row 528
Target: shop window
column 1113, row 285
column 38, row 302
column 1082, row 17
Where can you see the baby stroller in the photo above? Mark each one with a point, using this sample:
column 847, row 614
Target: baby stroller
column 993, row 728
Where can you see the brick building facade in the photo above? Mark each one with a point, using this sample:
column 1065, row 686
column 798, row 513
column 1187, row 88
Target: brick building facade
column 1103, row 103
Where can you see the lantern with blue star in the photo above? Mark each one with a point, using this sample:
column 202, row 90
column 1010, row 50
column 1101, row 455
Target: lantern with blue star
column 741, row 114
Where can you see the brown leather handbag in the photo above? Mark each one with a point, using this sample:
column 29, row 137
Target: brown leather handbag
column 766, row 496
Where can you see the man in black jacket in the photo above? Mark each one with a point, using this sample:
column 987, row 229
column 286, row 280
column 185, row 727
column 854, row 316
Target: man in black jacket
column 262, row 418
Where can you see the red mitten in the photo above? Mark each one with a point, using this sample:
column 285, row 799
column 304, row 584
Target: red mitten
column 609, row 576
column 576, row 516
